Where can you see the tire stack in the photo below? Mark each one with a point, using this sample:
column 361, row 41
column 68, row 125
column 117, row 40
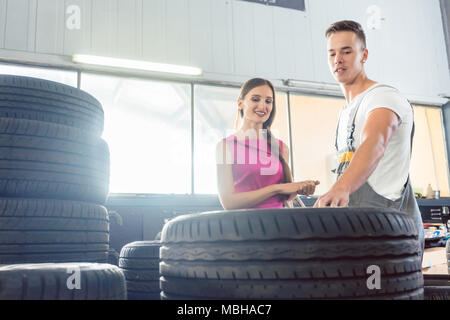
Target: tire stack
column 60, row 281
column 54, row 180
column 139, row 262
column 300, row 253
column 54, row 173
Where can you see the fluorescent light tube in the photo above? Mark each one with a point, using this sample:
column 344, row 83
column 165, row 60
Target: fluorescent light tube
column 136, row 64
column 312, row 85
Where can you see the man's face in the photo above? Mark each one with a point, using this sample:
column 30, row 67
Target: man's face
column 346, row 56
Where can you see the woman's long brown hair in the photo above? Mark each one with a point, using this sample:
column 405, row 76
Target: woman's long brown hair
column 245, row 89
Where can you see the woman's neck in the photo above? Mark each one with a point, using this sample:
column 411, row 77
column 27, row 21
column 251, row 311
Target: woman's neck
column 252, row 131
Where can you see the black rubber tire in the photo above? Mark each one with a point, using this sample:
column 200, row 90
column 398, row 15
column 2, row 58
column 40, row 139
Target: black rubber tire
column 355, row 288
column 53, row 256
column 447, row 249
column 141, row 274
column 45, row 160
column 284, row 269
column 143, row 296
column 416, row 295
column 437, row 286
column 437, row 293
column 113, row 257
column 291, row 253
column 436, row 280
column 44, row 100
column 43, row 230
column 139, row 262
column 25, row 140
column 48, row 281
column 141, row 249
column 143, row 286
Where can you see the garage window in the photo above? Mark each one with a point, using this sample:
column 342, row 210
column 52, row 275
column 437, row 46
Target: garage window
column 313, row 125
column 62, row 76
column 314, row 152
column 428, row 162
column 147, row 127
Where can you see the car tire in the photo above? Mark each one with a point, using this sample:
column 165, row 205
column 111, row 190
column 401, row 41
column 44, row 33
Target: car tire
column 436, row 293
column 302, row 253
column 52, row 281
column 139, row 262
column 43, row 100
column 44, row 230
column 447, row 249
column 45, row 160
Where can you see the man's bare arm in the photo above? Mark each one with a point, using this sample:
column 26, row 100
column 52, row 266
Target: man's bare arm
column 378, row 130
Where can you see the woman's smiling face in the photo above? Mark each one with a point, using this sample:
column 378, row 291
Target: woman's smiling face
column 257, row 104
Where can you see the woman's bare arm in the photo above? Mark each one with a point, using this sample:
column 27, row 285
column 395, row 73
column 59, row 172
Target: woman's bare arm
column 231, row 200
column 225, row 185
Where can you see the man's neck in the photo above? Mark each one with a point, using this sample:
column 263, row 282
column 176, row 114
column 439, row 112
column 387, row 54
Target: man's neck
column 358, row 86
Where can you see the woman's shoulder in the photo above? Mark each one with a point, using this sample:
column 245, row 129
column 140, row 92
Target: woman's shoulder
column 224, row 141
column 280, row 142
column 284, row 148
column 229, row 138
column 223, row 149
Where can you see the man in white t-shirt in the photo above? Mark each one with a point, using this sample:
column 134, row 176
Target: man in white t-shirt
column 374, row 134
column 390, row 174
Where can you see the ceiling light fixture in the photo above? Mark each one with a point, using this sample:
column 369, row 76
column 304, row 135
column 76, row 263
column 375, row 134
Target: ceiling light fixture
column 312, row 85
column 136, row 64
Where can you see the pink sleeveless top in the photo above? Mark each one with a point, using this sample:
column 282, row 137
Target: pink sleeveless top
column 254, row 167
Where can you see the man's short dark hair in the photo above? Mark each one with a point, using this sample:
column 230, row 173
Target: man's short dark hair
column 347, row 25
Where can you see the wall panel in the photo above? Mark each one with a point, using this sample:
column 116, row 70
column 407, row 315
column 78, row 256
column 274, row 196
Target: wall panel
column 244, row 37
column 16, row 25
column 265, row 44
column 50, row 27
column 284, row 42
column 126, row 41
column 235, row 40
column 222, row 37
column 78, row 38
column 32, row 16
column 177, row 32
column 154, row 37
column 3, row 6
column 304, row 59
column 102, row 28
column 200, row 38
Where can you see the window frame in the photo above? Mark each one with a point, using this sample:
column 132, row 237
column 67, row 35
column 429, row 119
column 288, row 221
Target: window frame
column 206, row 82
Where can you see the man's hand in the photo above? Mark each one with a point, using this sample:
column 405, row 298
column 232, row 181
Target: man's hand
column 336, row 197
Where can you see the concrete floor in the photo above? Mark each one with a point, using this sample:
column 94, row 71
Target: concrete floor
column 435, row 261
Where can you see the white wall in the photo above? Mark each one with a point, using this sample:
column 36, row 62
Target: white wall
column 234, row 40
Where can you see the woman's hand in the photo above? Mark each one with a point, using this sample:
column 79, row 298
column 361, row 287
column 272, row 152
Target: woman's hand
column 306, row 188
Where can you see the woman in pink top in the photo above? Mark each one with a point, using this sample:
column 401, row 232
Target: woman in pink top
column 252, row 165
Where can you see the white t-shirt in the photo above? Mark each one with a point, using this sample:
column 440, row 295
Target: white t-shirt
column 389, row 177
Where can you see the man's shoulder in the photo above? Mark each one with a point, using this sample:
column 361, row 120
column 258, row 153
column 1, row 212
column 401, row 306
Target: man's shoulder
column 380, row 87
column 387, row 96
